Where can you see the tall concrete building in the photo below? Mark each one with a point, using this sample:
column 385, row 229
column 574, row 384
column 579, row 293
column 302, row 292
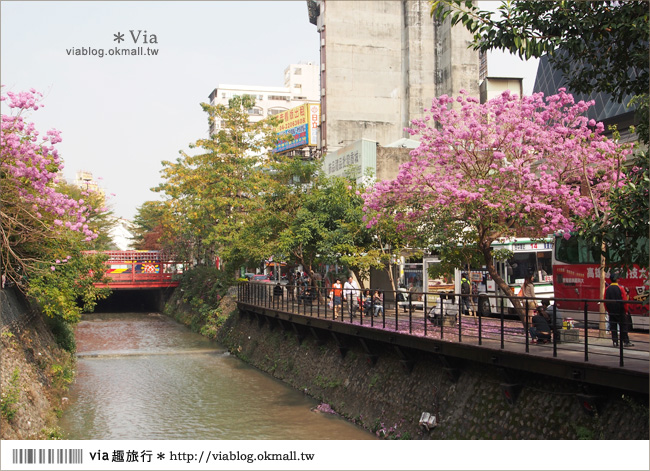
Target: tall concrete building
column 382, row 62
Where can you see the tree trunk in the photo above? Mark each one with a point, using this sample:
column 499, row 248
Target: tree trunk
column 520, row 307
column 357, row 275
column 391, row 277
column 602, row 324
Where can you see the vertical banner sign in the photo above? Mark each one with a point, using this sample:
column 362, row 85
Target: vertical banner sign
column 314, row 121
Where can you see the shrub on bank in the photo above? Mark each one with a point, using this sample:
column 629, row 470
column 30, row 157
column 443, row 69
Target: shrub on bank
column 198, row 299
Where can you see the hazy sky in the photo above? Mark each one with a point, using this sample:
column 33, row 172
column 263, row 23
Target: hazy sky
column 120, row 116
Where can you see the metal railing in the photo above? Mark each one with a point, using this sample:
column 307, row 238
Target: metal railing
column 444, row 316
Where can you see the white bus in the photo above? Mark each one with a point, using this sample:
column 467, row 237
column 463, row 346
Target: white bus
column 528, row 256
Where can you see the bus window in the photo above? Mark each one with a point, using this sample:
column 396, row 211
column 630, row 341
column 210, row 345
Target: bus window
column 544, row 265
column 575, row 250
column 519, row 266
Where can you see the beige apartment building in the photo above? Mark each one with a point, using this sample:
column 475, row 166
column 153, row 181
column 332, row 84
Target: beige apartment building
column 301, row 85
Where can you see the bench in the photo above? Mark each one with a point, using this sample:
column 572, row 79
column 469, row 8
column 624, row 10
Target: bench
column 416, row 304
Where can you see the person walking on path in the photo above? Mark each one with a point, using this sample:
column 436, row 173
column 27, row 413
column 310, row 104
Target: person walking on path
column 615, row 298
column 350, row 293
column 337, row 292
column 465, row 291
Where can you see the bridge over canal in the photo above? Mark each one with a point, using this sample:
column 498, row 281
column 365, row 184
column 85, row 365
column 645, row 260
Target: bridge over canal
column 140, row 280
column 140, row 269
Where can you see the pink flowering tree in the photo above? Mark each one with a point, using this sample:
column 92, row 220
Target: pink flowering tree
column 497, row 170
column 42, row 227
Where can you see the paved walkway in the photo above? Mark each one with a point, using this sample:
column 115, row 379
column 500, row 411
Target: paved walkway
column 600, row 351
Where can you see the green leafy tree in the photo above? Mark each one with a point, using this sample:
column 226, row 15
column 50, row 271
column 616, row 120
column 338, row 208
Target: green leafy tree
column 45, row 225
column 289, row 181
column 599, row 45
column 211, row 195
column 623, row 230
column 148, row 226
column 327, row 227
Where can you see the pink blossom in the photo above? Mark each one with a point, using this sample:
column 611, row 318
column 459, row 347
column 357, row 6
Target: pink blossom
column 511, row 157
column 31, row 162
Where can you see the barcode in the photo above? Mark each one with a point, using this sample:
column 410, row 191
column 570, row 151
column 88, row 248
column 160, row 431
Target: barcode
column 43, row 456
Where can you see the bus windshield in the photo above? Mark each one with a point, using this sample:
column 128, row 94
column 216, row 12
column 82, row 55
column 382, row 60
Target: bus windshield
column 576, row 250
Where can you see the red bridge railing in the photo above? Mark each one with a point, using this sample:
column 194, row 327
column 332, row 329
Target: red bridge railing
column 141, row 269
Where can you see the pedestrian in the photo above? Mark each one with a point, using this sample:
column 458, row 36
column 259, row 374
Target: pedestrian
column 465, row 291
column 615, row 298
column 367, row 303
column 379, row 303
column 350, row 294
column 278, row 293
column 528, row 291
column 337, row 292
column 548, row 314
column 540, row 331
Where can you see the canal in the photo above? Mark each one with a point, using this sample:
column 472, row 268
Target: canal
column 143, row 376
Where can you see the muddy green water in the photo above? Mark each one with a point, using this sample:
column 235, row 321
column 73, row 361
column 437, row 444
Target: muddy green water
column 144, row 377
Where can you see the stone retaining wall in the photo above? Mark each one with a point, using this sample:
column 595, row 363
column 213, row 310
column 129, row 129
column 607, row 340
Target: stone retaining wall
column 388, row 399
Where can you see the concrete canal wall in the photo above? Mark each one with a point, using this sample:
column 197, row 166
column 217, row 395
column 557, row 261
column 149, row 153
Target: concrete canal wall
column 469, row 402
column 34, row 371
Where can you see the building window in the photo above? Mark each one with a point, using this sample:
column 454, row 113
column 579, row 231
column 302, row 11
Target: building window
column 298, row 71
column 297, row 85
column 256, row 111
column 278, row 97
column 274, row 111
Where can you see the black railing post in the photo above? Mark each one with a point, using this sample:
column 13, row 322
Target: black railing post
column 396, row 311
column 424, row 313
column 619, row 326
column 620, row 342
column 526, row 323
column 360, row 304
column 442, row 317
column 586, row 334
column 410, row 313
column 460, row 316
column 479, row 310
column 555, row 329
column 383, row 309
column 502, row 333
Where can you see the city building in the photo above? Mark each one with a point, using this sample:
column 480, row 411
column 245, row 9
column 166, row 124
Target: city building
column 382, row 62
column 606, row 109
column 301, row 85
column 84, row 180
column 366, row 161
column 492, row 87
